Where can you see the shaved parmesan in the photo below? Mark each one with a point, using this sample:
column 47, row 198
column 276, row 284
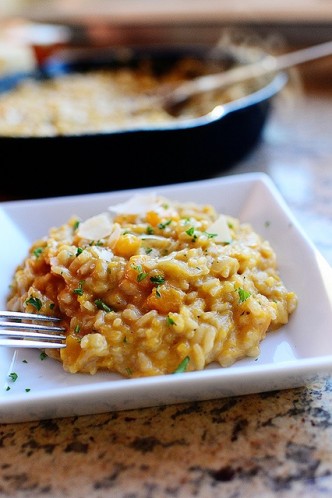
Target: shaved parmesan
column 221, row 228
column 102, row 253
column 96, row 227
column 141, row 204
column 138, row 204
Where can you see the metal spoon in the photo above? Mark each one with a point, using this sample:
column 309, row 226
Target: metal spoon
column 173, row 100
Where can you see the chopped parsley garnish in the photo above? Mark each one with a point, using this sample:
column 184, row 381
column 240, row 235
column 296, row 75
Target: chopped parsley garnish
column 79, row 251
column 164, row 225
column 243, row 294
column 191, row 233
column 141, row 274
column 182, row 367
column 27, row 389
column 76, row 225
column 35, row 302
column 96, row 243
column 102, row 306
column 149, row 230
column 157, row 280
column 210, row 235
column 13, row 376
column 148, row 250
column 42, row 356
column 170, row 321
column 37, row 252
column 79, row 289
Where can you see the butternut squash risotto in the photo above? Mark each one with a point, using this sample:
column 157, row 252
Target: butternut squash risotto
column 154, row 286
column 105, row 100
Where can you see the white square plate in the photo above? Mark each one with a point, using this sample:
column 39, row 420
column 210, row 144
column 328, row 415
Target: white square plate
column 289, row 357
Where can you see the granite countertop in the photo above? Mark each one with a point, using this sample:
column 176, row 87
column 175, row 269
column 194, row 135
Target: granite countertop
column 269, row 444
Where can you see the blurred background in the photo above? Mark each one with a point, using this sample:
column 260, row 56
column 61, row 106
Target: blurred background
column 31, row 30
column 296, row 148
column 293, row 23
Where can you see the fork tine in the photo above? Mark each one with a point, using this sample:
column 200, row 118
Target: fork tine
column 17, row 333
column 19, row 315
column 30, row 326
column 30, row 335
column 28, row 343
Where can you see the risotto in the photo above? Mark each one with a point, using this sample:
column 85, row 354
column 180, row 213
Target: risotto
column 154, row 286
column 105, row 100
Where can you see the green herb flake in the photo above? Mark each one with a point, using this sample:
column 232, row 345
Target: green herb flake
column 141, row 274
column 24, row 361
column 182, row 367
column 35, row 302
column 79, row 289
column 42, row 356
column 79, row 251
column 13, row 376
column 170, row 321
column 190, row 231
column 27, row 389
column 243, row 294
column 37, row 252
column 76, row 225
column 148, row 250
column 7, row 388
column 162, row 226
column 210, row 235
column 102, row 306
column 149, row 230
column 157, row 280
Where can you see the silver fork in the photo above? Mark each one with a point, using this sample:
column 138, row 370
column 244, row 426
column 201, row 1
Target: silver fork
column 15, row 332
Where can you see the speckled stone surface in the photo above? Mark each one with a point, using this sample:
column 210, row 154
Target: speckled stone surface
column 275, row 444
column 259, row 445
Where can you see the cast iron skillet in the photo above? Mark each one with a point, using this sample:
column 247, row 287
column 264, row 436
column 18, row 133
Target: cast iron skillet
column 192, row 150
